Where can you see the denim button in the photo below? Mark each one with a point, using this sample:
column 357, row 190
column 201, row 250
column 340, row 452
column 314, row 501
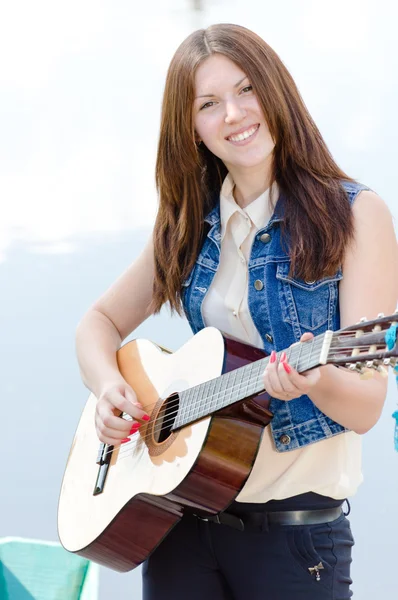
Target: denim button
column 285, row 439
column 269, row 338
column 258, row 284
column 265, row 238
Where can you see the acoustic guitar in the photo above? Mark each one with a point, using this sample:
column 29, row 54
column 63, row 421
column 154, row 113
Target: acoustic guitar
column 208, row 411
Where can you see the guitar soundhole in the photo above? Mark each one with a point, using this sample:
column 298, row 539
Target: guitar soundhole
column 166, row 418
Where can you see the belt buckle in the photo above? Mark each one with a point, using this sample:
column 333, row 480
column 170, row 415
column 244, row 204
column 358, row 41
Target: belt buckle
column 214, row 519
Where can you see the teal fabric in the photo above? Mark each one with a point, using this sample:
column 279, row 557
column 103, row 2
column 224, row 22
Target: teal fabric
column 40, row 570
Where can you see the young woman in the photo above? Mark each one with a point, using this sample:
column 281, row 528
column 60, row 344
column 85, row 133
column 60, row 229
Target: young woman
column 260, row 234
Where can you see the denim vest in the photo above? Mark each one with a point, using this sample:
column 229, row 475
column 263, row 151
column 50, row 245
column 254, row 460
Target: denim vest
column 282, row 309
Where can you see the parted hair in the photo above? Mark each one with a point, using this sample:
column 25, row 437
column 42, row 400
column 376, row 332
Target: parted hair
column 318, row 222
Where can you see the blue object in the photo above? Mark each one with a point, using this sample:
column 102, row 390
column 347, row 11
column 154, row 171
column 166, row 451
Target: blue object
column 395, row 416
column 41, row 570
column 391, row 336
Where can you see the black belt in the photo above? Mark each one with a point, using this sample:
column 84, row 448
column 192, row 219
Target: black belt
column 260, row 521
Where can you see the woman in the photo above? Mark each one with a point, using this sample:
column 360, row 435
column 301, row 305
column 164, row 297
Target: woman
column 262, row 235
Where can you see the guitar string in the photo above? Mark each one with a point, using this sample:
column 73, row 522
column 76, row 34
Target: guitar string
column 202, row 401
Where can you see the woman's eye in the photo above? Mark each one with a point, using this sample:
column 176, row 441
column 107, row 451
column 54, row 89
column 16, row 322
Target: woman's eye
column 206, row 105
column 247, row 88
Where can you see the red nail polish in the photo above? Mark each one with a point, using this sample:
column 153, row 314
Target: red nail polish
column 146, row 418
column 272, row 358
column 283, row 357
column 135, row 428
column 286, row 367
column 125, row 440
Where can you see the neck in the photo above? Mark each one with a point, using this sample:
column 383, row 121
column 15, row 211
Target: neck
column 250, row 183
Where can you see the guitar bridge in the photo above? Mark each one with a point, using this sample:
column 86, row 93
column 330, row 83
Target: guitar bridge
column 103, row 460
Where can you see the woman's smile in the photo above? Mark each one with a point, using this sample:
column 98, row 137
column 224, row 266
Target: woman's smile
column 243, row 136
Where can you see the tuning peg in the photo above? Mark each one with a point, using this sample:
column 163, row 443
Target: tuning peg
column 358, row 367
column 363, row 320
column 390, row 362
column 376, row 365
column 381, row 315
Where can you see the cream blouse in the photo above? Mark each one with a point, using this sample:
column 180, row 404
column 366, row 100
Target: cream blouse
column 331, row 467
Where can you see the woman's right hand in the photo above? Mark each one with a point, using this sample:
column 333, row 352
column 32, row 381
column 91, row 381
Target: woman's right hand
column 114, row 399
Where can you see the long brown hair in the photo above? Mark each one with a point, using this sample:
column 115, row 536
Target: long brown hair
column 317, row 215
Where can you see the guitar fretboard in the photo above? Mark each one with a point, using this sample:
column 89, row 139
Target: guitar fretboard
column 207, row 398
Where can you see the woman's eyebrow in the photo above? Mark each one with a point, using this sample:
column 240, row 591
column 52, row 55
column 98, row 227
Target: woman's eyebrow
column 212, row 95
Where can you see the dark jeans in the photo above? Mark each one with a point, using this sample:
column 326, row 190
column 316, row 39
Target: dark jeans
column 203, row 560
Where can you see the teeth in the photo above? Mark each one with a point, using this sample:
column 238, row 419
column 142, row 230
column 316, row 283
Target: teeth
column 243, row 136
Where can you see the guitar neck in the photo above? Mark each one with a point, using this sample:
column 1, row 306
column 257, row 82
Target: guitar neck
column 213, row 395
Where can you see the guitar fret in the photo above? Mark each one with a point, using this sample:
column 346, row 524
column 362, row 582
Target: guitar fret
column 229, row 388
column 219, row 392
column 309, row 355
column 300, row 348
column 261, row 367
column 210, row 394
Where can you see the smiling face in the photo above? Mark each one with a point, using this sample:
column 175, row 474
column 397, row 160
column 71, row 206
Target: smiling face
column 227, row 116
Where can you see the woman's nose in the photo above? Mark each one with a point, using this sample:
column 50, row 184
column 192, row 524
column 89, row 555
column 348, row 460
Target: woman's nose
column 234, row 112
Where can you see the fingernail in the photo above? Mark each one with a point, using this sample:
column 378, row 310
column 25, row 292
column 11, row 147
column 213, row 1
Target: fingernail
column 135, row 428
column 286, row 367
column 125, row 440
column 272, row 357
column 146, row 418
column 283, row 357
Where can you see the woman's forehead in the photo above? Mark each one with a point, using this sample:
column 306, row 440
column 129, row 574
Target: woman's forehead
column 215, row 71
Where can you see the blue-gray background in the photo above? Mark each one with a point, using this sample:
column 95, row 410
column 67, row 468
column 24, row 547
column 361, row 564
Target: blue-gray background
column 80, row 93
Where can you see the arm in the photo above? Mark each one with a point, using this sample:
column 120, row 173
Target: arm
column 120, row 310
column 123, row 307
column 369, row 286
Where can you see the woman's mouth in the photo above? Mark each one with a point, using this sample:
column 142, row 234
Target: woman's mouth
column 243, row 136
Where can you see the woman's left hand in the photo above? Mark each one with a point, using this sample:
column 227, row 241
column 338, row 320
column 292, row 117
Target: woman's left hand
column 283, row 382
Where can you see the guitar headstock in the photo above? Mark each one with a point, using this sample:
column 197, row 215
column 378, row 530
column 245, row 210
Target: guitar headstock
column 366, row 345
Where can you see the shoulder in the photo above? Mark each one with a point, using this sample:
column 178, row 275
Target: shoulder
column 374, row 232
column 370, row 208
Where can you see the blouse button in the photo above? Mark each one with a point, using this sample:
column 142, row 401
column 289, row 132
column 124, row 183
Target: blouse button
column 285, row 439
column 258, row 284
column 269, row 338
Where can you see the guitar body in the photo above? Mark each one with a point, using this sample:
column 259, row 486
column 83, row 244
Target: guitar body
column 151, row 481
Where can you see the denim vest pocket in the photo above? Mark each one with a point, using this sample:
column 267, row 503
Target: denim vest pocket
column 310, row 304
